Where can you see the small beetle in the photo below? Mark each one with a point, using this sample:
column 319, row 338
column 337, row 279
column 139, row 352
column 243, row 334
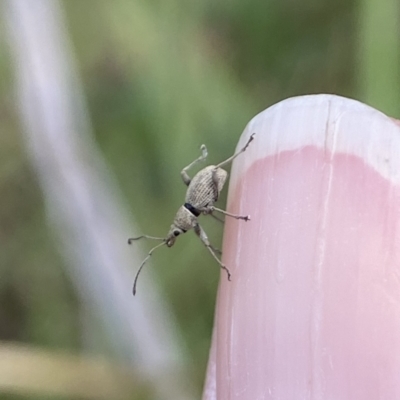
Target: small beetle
column 203, row 191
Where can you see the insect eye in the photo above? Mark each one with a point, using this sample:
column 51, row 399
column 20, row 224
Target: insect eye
column 177, row 233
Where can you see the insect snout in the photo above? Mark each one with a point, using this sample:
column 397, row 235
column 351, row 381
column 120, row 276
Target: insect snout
column 172, row 235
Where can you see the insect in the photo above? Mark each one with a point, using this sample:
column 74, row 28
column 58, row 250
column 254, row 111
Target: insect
column 202, row 192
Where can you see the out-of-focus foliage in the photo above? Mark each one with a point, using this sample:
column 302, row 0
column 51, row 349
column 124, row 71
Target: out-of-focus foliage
column 161, row 78
column 379, row 55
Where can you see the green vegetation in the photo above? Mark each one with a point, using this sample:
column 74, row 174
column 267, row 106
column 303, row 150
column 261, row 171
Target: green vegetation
column 161, row 78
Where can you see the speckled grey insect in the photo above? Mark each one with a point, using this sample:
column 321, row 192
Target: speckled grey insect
column 203, row 191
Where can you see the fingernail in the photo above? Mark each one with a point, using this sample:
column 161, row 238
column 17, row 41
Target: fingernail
column 313, row 309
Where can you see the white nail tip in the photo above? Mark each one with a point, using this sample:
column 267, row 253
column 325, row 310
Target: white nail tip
column 334, row 123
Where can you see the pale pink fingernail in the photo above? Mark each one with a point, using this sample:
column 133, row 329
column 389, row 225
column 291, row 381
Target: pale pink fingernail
column 313, row 309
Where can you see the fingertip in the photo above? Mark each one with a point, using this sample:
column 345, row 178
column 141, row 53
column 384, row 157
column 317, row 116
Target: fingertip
column 310, row 281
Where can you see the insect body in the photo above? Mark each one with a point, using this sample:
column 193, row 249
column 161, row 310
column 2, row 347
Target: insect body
column 203, row 191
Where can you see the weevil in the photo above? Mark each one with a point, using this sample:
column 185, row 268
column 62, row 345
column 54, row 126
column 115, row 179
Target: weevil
column 202, row 192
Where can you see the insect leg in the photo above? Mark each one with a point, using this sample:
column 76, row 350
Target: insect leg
column 245, row 218
column 217, row 218
column 203, row 237
column 215, row 250
column 185, row 177
column 230, row 159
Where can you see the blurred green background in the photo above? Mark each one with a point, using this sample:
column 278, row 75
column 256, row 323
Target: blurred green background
column 161, row 78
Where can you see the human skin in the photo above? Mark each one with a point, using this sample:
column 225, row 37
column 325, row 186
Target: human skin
column 313, row 308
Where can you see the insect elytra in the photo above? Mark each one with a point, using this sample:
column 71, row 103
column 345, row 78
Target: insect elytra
column 202, row 192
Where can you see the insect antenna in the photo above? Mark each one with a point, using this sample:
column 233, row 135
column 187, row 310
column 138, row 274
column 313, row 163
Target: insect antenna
column 130, row 240
column 144, row 261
